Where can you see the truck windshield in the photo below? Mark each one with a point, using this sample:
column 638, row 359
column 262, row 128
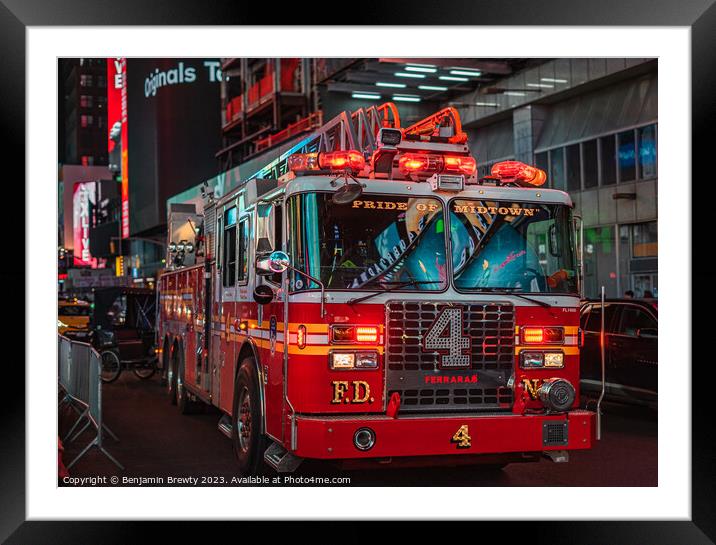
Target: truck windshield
column 521, row 247
column 375, row 242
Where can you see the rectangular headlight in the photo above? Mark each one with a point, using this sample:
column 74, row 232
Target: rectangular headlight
column 353, row 360
column 367, row 360
column 554, row 359
column 343, row 360
column 530, row 360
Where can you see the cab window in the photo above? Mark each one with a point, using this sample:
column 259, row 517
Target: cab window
column 243, row 261
column 229, row 252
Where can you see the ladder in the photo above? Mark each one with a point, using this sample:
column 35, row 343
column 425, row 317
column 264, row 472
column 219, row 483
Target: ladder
column 348, row 130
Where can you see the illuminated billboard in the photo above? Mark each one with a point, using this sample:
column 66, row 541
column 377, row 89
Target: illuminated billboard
column 83, row 200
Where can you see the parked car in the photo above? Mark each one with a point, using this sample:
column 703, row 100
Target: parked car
column 72, row 315
column 631, row 341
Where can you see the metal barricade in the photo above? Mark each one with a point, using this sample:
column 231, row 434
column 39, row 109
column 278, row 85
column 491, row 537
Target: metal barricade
column 79, row 369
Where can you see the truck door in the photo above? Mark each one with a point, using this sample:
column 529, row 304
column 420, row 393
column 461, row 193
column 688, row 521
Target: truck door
column 269, row 238
column 224, row 373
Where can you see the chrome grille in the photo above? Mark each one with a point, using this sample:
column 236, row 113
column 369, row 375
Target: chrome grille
column 416, row 373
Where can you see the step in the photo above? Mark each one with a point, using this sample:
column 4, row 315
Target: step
column 225, row 425
column 280, row 459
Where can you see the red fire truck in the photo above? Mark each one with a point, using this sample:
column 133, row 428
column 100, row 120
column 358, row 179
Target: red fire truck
column 367, row 298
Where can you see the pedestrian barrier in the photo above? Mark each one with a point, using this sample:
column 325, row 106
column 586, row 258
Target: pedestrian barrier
column 79, row 369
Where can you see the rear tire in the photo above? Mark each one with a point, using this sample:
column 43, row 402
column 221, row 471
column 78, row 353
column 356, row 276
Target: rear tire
column 111, row 366
column 183, row 397
column 248, row 441
column 145, row 370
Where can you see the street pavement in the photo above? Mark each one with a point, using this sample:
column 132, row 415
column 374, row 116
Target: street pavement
column 156, row 441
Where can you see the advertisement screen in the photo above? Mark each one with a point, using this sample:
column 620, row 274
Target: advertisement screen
column 83, row 200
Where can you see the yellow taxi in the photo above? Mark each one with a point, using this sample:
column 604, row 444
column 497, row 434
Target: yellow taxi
column 72, row 314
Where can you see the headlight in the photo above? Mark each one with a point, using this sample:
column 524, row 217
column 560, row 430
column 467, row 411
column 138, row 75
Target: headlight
column 554, row 359
column 353, row 360
column 531, row 360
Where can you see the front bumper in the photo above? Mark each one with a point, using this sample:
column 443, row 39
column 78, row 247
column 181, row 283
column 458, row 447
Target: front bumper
column 332, row 437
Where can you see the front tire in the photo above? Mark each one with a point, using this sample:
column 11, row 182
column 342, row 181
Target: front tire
column 111, row 366
column 248, row 441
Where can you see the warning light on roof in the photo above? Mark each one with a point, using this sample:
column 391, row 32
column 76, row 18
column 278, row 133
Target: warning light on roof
column 428, row 163
column 517, row 171
column 344, row 160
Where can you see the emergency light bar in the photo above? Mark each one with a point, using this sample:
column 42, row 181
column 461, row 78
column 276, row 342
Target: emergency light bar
column 426, row 164
column 336, row 161
column 519, row 172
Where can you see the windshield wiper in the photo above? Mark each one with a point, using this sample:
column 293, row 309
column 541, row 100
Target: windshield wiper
column 508, row 291
column 397, row 286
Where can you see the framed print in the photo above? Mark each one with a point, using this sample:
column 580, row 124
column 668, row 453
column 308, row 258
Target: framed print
column 303, row 269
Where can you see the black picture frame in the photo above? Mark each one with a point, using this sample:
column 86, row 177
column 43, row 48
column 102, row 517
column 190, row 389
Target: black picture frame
column 700, row 16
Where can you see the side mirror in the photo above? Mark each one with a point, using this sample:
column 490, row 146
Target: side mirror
column 275, row 262
column 647, row 332
column 278, row 261
column 263, row 294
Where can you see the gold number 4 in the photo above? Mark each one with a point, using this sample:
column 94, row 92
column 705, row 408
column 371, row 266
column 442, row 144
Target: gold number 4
column 462, row 437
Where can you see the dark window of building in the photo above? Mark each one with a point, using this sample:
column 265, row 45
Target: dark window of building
column 229, row 276
column 608, row 160
column 86, row 101
column 86, row 80
column 627, row 156
column 590, row 165
column 542, row 161
column 644, row 240
column 556, row 171
column 574, row 168
column 647, row 151
column 86, row 121
column 243, row 250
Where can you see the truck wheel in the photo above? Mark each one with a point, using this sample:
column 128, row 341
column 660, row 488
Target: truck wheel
column 172, row 379
column 248, row 441
column 183, row 399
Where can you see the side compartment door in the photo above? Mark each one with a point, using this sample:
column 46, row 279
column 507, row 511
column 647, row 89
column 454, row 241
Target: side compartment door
column 217, row 332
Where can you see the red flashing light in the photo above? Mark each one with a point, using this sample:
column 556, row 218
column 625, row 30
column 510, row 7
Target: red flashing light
column 515, row 170
column 367, row 334
column 460, row 164
column 348, row 160
column 542, row 335
column 342, row 334
column 301, row 337
column 428, row 164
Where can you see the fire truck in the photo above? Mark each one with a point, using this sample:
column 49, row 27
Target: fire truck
column 367, row 298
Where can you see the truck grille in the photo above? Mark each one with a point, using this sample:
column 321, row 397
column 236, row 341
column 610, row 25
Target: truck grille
column 418, row 374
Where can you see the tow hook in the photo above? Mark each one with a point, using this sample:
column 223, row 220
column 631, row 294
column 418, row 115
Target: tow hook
column 557, row 456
